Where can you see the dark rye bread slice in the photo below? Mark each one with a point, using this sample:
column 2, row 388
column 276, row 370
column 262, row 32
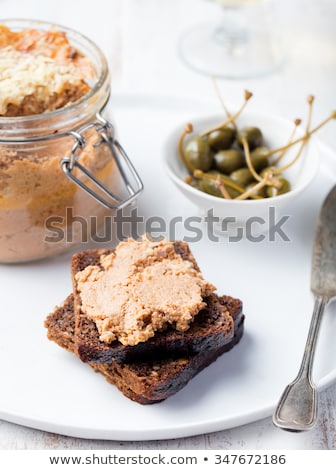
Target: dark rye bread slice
column 212, row 327
column 145, row 382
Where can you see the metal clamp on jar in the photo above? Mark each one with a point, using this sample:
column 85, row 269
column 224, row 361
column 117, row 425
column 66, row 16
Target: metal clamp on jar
column 105, row 130
column 62, row 172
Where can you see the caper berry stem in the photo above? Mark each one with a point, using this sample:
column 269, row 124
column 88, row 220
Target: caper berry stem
column 219, row 96
column 249, row 161
column 198, row 174
column 270, row 180
column 310, row 101
column 222, row 188
column 188, row 179
column 187, row 130
column 232, row 117
column 306, row 136
column 297, row 122
column 279, row 170
column 249, row 192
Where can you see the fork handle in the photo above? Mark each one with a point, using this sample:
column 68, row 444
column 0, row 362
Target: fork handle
column 297, row 408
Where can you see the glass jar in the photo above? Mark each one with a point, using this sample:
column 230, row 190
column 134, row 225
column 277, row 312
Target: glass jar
column 62, row 172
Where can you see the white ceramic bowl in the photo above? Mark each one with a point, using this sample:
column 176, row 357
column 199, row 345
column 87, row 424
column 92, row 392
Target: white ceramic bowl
column 276, row 132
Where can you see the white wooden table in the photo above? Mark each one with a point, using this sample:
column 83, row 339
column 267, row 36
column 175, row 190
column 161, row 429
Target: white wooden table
column 139, row 38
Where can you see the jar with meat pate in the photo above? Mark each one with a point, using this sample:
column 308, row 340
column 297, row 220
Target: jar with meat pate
column 62, row 172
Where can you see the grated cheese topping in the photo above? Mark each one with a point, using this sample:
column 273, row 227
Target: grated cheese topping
column 23, row 74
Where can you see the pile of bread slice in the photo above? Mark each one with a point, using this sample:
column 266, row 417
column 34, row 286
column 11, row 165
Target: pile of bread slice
column 147, row 365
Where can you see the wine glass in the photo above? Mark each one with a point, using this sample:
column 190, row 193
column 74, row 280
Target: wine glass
column 244, row 43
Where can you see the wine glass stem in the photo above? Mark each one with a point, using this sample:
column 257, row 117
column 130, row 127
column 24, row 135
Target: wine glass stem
column 232, row 33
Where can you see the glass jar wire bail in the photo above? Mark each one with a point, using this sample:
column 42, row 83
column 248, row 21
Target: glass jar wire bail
column 105, row 130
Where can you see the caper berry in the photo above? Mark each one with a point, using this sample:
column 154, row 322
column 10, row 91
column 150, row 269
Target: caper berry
column 226, row 179
column 272, row 191
column 198, row 154
column 229, row 160
column 210, row 185
column 253, row 135
column 259, row 158
column 242, row 177
column 221, row 139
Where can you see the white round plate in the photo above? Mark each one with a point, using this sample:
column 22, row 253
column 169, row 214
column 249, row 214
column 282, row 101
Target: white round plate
column 48, row 388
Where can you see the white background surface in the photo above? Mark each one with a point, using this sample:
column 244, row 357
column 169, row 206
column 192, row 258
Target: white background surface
column 139, row 38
